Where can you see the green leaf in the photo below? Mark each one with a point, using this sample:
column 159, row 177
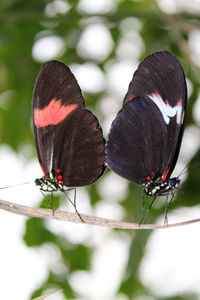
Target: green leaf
column 36, row 234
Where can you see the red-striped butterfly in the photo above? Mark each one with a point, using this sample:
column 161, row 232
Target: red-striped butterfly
column 68, row 137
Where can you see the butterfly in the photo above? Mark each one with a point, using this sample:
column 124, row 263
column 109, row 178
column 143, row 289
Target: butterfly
column 145, row 137
column 69, row 140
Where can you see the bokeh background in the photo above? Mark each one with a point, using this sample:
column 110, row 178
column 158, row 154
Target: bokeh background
column 102, row 41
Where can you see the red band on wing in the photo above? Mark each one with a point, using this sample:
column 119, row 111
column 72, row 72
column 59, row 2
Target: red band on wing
column 43, row 170
column 130, row 98
column 165, row 175
column 52, row 114
column 180, row 102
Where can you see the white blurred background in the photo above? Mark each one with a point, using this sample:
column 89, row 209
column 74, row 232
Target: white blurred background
column 171, row 264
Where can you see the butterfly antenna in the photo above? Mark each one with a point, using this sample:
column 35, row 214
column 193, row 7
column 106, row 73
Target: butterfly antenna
column 11, row 186
column 184, row 169
column 188, row 164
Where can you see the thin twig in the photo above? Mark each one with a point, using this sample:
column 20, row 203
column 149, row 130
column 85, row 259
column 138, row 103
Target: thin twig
column 178, row 25
column 47, row 295
column 73, row 217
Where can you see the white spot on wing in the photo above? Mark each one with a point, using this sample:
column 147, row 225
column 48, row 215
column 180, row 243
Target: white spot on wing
column 167, row 110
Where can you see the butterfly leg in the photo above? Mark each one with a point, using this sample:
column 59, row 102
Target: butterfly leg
column 166, row 209
column 52, row 202
column 167, row 205
column 49, row 201
column 172, row 198
column 142, row 207
column 148, row 210
column 73, row 202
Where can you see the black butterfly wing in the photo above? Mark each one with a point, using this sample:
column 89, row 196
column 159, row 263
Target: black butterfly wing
column 56, row 94
column 80, row 159
column 161, row 77
column 159, row 73
column 57, row 105
column 72, row 150
column 136, row 142
column 56, row 82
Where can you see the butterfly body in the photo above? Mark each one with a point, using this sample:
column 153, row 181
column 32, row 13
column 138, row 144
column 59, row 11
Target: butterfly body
column 153, row 188
column 47, row 184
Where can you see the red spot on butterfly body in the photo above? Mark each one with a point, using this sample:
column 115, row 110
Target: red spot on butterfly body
column 52, row 114
column 148, row 178
column 59, row 176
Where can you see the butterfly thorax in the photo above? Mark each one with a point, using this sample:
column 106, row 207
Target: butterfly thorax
column 159, row 188
column 48, row 184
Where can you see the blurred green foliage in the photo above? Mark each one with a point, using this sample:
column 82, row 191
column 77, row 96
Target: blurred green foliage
column 20, row 23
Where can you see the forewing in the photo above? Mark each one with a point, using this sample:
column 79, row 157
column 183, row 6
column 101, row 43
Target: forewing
column 56, row 95
column 159, row 73
column 161, row 77
column 78, row 149
column 56, row 81
column 137, row 141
